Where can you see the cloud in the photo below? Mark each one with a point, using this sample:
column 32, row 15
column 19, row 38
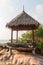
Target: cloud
column 34, row 15
column 38, row 13
column 3, row 2
column 6, row 6
column 39, row 9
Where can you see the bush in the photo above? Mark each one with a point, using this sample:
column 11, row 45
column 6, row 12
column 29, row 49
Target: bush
column 39, row 49
column 40, row 46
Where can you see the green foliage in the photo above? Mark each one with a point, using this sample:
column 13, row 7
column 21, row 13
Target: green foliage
column 39, row 35
column 39, row 32
column 40, row 46
column 26, row 36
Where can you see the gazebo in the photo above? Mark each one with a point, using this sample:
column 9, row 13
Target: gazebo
column 22, row 22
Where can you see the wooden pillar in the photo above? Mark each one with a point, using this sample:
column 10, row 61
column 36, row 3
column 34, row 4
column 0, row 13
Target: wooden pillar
column 11, row 35
column 32, row 36
column 17, row 36
column 33, row 51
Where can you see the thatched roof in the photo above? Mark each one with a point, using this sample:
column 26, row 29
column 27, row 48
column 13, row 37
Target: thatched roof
column 23, row 22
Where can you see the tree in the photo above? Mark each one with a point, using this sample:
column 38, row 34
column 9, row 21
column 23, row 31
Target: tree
column 28, row 36
column 25, row 37
column 39, row 35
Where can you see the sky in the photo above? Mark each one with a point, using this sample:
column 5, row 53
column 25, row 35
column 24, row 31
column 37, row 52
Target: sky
column 9, row 9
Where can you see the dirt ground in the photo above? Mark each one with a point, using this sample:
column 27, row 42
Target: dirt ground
column 20, row 58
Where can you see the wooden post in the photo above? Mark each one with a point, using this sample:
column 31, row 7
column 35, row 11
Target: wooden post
column 32, row 36
column 17, row 36
column 11, row 35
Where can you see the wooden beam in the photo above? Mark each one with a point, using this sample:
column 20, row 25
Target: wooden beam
column 32, row 36
column 11, row 36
